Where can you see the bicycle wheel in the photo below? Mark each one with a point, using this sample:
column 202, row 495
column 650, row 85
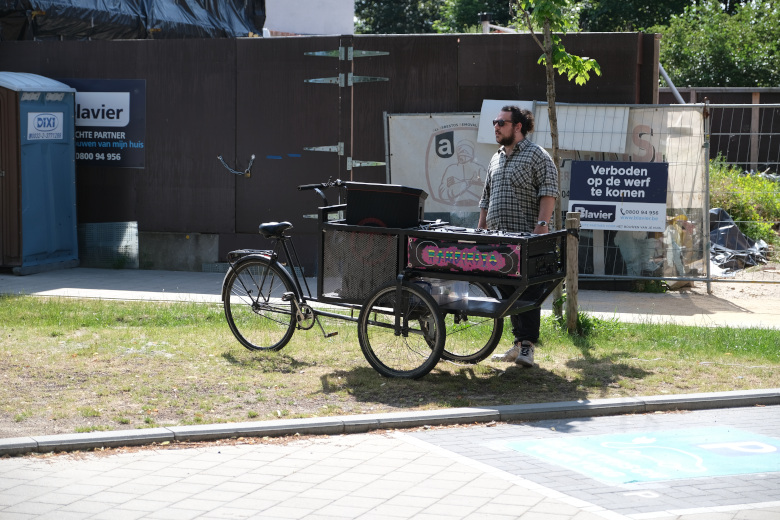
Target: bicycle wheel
column 254, row 308
column 416, row 350
column 470, row 339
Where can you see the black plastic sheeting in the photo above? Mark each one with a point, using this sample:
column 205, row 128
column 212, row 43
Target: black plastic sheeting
column 730, row 249
column 129, row 19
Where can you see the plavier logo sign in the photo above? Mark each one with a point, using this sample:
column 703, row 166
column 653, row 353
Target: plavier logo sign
column 596, row 212
column 44, row 126
column 102, row 109
column 110, row 122
column 627, row 196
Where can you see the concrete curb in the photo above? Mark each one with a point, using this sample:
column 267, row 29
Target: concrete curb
column 365, row 423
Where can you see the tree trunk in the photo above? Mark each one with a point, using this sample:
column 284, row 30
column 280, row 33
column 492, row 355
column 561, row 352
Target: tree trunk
column 551, row 113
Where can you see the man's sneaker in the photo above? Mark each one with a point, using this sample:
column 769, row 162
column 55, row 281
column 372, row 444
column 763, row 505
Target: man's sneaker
column 526, row 355
column 510, row 355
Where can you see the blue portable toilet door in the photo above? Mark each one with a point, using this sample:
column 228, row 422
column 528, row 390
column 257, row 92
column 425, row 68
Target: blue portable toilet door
column 48, row 171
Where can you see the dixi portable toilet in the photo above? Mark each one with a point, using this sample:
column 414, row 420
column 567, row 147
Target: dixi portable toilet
column 38, row 228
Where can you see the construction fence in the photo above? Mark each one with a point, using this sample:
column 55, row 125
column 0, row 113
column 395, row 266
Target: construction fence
column 638, row 174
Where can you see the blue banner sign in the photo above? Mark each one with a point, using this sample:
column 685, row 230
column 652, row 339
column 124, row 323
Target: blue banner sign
column 110, row 122
column 627, row 196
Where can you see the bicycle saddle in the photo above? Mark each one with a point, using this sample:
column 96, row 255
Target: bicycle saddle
column 274, row 229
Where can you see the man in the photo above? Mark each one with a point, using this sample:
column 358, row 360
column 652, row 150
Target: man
column 519, row 196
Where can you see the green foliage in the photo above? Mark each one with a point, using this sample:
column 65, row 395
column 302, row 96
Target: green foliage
column 395, row 16
column 706, row 46
column 752, row 201
column 552, row 14
column 575, row 68
column 456, row 16
column 628, row 15
column 651, row 286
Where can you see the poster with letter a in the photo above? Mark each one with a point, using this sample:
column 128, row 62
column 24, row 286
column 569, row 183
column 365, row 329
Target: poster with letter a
column 440, row 154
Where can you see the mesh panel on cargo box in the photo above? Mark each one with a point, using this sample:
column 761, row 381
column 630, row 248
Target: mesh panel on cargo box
column 356, row 264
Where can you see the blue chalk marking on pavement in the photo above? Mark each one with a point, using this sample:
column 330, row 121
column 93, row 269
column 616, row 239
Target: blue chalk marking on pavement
column 660, row 455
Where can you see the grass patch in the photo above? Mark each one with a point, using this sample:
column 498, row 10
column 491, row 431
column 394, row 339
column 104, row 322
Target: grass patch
column 88, row 365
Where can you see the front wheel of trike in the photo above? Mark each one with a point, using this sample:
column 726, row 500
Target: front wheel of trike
column 412, row 347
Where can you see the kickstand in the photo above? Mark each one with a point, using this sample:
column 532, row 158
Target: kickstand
column 325, row 334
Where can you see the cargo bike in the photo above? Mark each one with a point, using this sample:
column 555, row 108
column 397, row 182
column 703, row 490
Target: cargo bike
column 419, row 291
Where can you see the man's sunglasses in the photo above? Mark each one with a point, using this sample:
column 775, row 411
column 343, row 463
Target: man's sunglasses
column 501, row 122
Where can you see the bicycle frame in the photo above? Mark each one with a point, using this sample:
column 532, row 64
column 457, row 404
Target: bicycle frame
column 285, row 244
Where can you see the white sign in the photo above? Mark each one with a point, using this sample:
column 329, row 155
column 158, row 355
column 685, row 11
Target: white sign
column 584, row 127
column 310, row 16
column 439, row 153
column 102, row 109
column 44, row 126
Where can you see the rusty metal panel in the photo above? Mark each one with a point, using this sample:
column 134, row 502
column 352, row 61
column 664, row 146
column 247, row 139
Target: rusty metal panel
column 190, row 111
column 278, row 114
column 649, row 70
column 190, row 119
column 504, row 66
column 422, row 74
column 238, row 97
column 10, row 180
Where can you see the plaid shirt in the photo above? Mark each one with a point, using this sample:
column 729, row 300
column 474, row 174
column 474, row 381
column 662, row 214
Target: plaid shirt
column 514, row 185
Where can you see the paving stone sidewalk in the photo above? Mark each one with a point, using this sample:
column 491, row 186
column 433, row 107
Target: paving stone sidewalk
column 436, row 473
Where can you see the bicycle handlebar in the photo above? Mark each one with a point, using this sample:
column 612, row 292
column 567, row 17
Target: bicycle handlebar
column 318, row 187
column 321, row 185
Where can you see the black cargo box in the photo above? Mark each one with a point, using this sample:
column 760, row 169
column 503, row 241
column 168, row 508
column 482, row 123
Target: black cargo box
column 384, row 205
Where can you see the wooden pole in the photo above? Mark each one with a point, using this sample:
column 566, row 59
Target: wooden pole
column 572, row 270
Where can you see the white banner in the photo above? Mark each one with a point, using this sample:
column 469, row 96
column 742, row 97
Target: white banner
column 439, row 153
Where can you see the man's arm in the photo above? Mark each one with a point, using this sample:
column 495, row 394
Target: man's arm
column 482, row 219
column 546, row 208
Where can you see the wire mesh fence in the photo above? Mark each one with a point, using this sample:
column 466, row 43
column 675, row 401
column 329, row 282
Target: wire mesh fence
column 744, row 143
column 674, row 245
column 695, row 242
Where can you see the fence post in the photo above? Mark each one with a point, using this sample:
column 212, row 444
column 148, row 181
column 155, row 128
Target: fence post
column 572, row 270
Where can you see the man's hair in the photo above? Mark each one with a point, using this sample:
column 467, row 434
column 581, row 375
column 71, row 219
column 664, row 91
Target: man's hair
column 521, row 115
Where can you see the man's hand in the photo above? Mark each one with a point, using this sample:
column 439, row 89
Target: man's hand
column 541, row 230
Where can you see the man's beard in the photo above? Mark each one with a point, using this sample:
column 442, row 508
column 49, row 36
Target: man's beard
column 506, row 141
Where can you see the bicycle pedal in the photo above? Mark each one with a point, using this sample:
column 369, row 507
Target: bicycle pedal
column 288, row 296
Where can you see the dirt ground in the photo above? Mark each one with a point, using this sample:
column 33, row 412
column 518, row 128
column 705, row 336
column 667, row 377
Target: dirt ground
column 761, row 282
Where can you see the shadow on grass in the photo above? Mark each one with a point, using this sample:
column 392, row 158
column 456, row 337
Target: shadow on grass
column 273, row 362
column 598, row 373
column 449, row 386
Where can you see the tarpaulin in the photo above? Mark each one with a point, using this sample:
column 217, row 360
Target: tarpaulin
column 730, row 249
column 129, row 19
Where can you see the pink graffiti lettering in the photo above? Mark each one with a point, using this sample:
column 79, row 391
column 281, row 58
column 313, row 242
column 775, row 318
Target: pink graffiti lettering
column 467, row 259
